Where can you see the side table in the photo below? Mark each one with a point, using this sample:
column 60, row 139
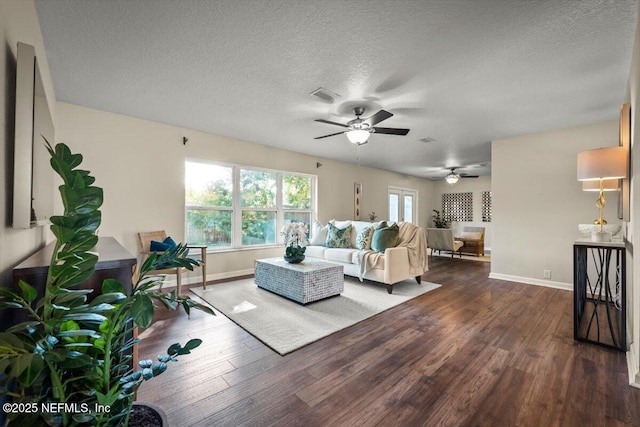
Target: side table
column 599, row 293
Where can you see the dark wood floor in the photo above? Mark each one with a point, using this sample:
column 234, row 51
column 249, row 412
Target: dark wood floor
column 475, row 351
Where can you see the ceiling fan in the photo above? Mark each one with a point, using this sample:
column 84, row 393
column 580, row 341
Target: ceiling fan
column 453, row 177
column 359, row 130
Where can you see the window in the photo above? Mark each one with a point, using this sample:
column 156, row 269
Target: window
column 234, row 206
column 209, row 204
column 402, row 204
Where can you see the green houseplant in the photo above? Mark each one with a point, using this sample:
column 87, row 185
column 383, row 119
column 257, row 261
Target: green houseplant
column 71, row 362
column 438, row 221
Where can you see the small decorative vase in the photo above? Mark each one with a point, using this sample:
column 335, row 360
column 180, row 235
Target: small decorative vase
column 294, row 259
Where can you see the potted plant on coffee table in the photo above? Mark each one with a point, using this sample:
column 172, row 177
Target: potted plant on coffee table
column 71, row 362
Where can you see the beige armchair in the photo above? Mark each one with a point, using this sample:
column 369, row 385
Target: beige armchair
column 441, row 239
column 145, row 239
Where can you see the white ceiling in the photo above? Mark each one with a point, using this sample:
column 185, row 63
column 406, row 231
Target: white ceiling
column 461, row 72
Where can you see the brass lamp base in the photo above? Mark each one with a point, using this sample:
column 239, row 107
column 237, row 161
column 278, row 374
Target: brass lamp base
column 600, row 221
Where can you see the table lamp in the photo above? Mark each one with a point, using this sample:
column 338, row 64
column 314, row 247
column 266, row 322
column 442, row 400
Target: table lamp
column 601, row 165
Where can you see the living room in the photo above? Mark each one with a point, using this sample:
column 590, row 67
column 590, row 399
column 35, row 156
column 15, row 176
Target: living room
column 537, row 201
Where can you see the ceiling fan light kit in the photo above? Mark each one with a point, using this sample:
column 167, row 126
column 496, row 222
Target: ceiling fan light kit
column 452, row 178
column 359, row 130
column 358, row 136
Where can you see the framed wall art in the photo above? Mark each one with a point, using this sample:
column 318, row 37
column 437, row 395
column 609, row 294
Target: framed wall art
column 357, row 199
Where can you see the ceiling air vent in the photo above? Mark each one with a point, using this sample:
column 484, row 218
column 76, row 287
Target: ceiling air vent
column 426, row 140
column 324, row 95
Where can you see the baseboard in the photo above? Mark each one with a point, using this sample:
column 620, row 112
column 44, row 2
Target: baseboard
column 632, row 368
column 532, row 281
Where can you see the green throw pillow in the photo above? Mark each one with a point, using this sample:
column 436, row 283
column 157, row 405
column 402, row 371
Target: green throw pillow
column 338, row 237
column 385, row 237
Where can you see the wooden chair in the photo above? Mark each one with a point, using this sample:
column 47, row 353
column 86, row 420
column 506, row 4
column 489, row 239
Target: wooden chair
column 473, row 239
column 145, row 238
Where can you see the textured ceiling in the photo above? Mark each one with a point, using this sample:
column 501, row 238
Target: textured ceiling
column 460, row 72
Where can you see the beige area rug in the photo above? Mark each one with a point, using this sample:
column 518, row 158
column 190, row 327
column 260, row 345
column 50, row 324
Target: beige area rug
column 482, row 258
column 286, row 326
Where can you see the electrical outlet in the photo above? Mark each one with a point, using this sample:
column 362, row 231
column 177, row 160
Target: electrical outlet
column 546, row 274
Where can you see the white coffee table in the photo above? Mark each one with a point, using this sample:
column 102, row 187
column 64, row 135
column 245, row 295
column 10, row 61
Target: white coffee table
column 311, row 280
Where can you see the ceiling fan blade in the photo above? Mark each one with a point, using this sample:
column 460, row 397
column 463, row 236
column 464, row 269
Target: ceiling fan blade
column 378, row 117
column 469, row 176
column 326, row 136
column 391, row 131
column 331, row 123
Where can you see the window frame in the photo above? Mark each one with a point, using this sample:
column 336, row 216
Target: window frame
column 237, row 209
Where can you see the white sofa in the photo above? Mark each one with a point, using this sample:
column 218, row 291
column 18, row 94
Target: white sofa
column 407, row 260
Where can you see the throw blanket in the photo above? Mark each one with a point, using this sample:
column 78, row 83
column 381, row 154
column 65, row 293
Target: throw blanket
column 411, row 237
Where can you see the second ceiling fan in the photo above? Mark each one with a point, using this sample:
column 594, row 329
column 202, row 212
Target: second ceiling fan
column 358, row 130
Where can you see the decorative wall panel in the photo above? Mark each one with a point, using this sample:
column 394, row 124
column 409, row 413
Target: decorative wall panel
column 486, row 206
column 457, row 206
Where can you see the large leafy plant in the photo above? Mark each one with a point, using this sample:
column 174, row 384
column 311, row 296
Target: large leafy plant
column 77, row 350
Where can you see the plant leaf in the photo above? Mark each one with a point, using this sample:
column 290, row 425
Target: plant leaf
column 29, row 293
column 142, row 310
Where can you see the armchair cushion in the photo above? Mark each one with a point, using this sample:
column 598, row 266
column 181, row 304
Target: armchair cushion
column 166, row 244
column 471, row 235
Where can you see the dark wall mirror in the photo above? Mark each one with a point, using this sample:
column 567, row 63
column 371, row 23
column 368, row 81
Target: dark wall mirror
column 33, row 186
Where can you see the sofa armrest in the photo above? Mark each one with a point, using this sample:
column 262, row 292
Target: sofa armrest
column 396, row 264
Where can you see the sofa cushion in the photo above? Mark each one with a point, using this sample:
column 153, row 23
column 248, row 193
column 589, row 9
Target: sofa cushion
column 318, row 233
column 315, row 251
column 338, row 237
column 343, row 255
column 363, row 239
column 385, row 237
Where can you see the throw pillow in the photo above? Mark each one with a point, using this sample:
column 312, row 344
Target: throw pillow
column 363, row 240
column 385, row 237
column 318, row 234
column 166, row 244
column 338, row 237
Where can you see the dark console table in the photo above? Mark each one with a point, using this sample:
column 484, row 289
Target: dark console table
column 599, row 293
column 114, row 262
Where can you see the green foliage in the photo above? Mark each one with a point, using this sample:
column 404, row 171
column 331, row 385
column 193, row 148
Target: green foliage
column 439, row 221
column 297, row 191
column 72, row 350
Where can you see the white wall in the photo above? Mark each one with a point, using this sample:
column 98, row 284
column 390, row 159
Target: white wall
column 633, row 226
column 18, row 23
column 140, row 165
column 538, row 203
column 467, row 185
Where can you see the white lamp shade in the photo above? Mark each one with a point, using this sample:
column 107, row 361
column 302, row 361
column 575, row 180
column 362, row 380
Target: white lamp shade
column 607, row 185
column 358, row 136
column 452, row 178
column 602, row 163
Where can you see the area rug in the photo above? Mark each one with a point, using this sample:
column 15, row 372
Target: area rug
column 286, row 326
